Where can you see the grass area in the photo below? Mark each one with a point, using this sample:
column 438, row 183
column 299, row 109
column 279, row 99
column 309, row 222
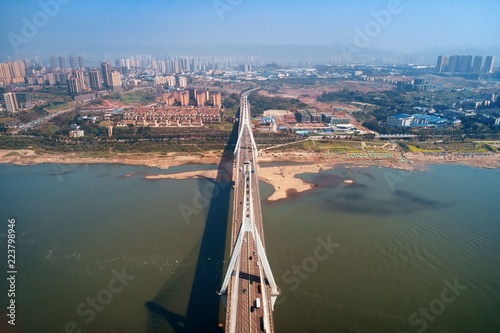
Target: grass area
column 52, row 129
column 450, row 147
column 310, row 145
column 476, row 148
column 12, row 153
column 61, row 106
column 6, row 120
column 135, row 97
column 223, row 126
column 416, row 149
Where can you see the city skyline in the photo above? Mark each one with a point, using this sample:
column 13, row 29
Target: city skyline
column 347, row 28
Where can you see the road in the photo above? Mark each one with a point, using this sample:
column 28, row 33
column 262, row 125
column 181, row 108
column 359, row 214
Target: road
column 243, row 313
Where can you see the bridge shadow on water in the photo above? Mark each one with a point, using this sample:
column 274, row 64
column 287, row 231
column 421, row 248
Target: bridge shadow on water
column 201, row 273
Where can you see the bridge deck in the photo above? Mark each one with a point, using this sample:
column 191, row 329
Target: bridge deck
column 250, row 284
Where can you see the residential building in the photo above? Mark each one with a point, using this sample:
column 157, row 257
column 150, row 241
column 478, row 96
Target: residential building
column 116, row 82
column 73, row 86
column 72, row 62
column 95, row 80
column 10, row 102
column 489, row 64
column 465, row 64
column 81, row 62
column 476, row 66
column 182, row 82
column 62, row 63
column 50, row 78
column 184, row 98
column 453, row 64
column 217, row 99
column 53, row 63
column 201, row 96
column 106, row 74
column 80, row 77
column 441, row 63
column 171, row 81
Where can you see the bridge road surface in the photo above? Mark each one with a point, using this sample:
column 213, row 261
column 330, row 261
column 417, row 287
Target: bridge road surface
column 242, row 315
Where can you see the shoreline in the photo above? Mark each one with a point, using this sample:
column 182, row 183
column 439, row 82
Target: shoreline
column 281, row 177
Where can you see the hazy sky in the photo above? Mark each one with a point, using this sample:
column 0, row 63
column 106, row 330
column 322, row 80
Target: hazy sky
column 82, row 24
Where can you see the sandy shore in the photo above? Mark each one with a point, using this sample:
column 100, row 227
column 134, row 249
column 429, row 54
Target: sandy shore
column 282, row 178
column 186, row 175
column 155, row 160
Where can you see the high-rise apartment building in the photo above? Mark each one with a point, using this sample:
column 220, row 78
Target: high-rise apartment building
column 116, row 81
column 72, row 62
column 453, row 64
column 489, row 64
column 162, row 68
column 5, row 71
column 62, row 63
column 73, row 86
column 442, row 62
column 183, row 82
column 95, row 80
column 10, row 102
column 81, row 62
column 17, row 69
column 80, row 77
column 201, row 97
column 184, row 98
column 53, row 62
column 171, row 81
column 465, row 64
column 50, row 78
column 106, row 74
column 476, row 66
column 217, row 99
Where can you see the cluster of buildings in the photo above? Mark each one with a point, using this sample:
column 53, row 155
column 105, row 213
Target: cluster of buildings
column 197, row 97
column 78, row 78
column 76, row 133
column 171, row 116
column 465, row 64
column 314, row 116
column 403, row 82
column 12, row 72
column 171, row 81
column 81, row 81
column 180, row 64
column 420, row 121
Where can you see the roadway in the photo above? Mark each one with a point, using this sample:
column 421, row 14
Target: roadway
column 249, row 281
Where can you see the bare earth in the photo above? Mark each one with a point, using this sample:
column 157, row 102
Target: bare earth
column 282, row 178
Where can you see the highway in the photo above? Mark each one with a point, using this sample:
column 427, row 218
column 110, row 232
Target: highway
column 249, row 285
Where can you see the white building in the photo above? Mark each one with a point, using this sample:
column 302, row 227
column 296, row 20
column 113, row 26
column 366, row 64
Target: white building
column 183, row 82
column 10, row 102
column 345, row 128
column 399, row 120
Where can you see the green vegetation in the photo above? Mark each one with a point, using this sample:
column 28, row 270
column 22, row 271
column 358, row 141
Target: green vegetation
column 231, row 104
column 143, row 96
column 262, row 103
column 417, row 149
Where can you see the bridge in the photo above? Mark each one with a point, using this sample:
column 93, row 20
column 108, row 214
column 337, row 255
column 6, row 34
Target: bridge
column 249, row 289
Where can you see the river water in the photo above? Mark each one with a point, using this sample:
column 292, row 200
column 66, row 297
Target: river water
column 101, row 249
